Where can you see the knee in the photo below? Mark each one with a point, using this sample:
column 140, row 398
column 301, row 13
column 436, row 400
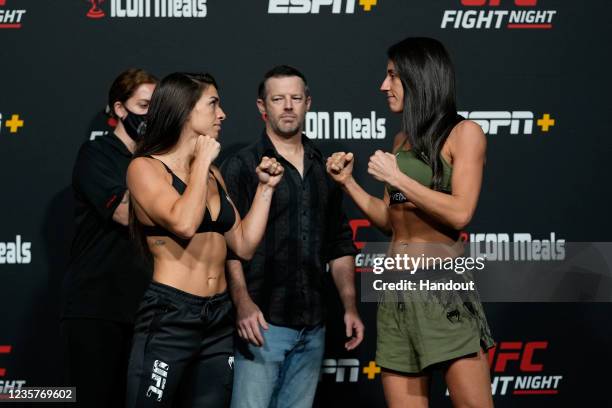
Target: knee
column 474, row 402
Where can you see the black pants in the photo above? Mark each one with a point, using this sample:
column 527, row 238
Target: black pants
column 96, row 355
column 182, row 353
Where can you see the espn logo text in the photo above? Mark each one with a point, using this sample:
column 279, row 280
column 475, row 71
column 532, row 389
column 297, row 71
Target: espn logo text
column 317, row 6
column 10, row 18
column 348, row 369
column 97, row 133
column 515, row 122
column 320, row 125
column 13, row 123
column 8, row 385
column 486, row 14
column 522, row 247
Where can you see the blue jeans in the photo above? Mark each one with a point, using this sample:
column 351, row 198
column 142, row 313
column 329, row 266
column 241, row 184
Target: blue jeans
column 284, row 372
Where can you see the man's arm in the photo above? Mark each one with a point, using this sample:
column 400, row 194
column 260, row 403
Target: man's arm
column 248, row 315
column 343, row 273
column 340, row 254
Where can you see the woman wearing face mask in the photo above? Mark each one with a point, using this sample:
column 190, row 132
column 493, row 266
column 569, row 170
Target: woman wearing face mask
column 105, row 280
column 182, row 354
column 433, row 180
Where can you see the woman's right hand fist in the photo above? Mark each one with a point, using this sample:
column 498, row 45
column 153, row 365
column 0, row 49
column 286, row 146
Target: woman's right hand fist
column 206, row 148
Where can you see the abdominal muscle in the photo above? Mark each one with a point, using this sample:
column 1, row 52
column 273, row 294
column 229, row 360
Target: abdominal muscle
column 196, row 266
column 412, row 226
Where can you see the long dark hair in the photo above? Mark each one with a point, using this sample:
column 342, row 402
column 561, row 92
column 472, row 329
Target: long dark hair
column 430, row 110
column 170, row 107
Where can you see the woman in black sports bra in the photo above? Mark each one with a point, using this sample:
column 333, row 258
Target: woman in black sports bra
column 183, row 219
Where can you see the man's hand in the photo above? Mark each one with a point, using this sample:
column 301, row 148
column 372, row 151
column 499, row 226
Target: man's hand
column 249, row 319
column 340, row 166
column 354, row 329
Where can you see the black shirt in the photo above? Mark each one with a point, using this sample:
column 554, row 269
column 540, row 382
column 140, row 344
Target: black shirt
column 306, row 228
column 106, row 277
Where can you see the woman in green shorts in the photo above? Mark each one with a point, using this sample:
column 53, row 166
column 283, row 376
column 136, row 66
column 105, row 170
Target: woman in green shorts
column 433, row 180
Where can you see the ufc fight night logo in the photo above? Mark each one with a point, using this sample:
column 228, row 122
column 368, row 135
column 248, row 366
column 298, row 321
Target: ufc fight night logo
column 10, row 18
column 498, row 14
column 159, row 376
column 525, row 361
column 8, row 385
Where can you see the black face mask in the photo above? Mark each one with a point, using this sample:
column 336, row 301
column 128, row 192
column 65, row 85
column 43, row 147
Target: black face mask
column 134, row 125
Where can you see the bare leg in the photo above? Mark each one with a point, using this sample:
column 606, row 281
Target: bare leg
column 403, row 391
column 469, row 382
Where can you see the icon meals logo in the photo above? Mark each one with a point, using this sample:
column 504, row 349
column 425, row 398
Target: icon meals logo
column 485, row 14
column 319, row 125
column 16, row 252
column 10, row 18
column 149, row 9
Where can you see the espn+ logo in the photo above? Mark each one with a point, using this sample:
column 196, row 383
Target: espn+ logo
column 515, row 122
column 316, row 6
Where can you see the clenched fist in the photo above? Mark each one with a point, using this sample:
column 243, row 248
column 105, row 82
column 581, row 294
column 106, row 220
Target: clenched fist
column 269, row 171
column 383, row 166
column 206, row 149
column 340, row 166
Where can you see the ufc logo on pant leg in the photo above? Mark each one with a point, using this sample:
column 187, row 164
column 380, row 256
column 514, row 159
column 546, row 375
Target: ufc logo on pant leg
column 159, row 375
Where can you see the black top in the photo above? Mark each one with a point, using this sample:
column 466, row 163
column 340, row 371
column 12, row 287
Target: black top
column 106, row 278
column 306, row 228
column 224, row 222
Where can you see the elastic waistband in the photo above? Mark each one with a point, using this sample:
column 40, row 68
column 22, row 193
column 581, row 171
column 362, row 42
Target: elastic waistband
column 186, row 297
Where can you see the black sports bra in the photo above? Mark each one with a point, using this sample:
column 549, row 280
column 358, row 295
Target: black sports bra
column 224, row 222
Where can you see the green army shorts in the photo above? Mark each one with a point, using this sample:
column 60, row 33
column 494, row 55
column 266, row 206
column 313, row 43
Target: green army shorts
column 418, row 329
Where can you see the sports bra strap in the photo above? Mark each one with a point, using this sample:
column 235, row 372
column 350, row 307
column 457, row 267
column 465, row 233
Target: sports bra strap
column 165, row 166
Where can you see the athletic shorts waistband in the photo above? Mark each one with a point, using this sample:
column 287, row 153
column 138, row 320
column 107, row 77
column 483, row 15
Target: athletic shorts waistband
column 185, row 296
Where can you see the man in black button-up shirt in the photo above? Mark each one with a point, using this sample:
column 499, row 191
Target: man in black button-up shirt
column 281, row 288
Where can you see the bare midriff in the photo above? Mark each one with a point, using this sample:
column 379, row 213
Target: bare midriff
column 196, row 266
